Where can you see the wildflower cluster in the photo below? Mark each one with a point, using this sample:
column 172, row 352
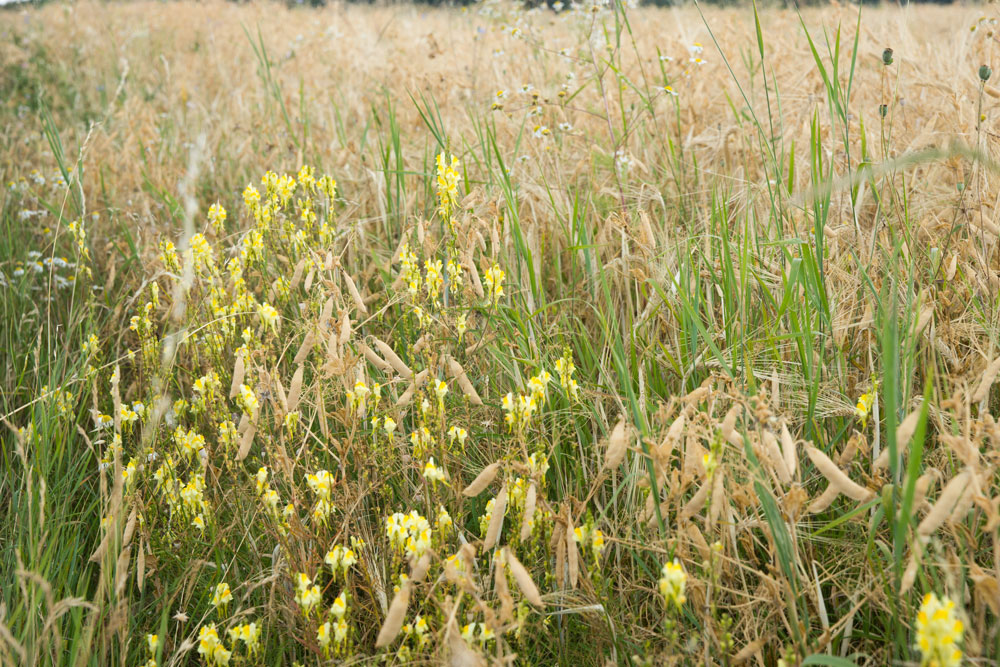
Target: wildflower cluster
column 409, row 533
column 939, row 632
column 447, row 186
column 256, row 418
column 519, row 409
column 673, row 581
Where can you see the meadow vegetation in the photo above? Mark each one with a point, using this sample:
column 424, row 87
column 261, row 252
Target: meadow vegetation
column 483, row 335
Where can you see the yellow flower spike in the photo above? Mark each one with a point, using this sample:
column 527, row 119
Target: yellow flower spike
column 217, row 217
column 269, row 317
column 221, row 597
column 673, row 581
column 323, row 637
column 494, row 278
column 863, row 409
column 208, row 640
column 433, row 280
column 440, row 391
column 447, row 186
column 340, row 632
column 938, row 631
column 432, row 472
column 251, row 198
column 339, row 607
column 221, row 656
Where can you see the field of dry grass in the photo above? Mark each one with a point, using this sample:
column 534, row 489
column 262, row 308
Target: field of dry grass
column 471, row 336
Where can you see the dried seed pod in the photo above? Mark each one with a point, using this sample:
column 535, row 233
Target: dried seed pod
column 837, row 477
column 239, row 372
column 675, row 430
column 572, row 554
column 282, row 408
column 121, row 570
column 393, row 359
column 729, row 422
column 305, row 348
column 418, row 382
column 699, row 541
column 470, row 266
column 419, row 569
column 945, row 504
column 129, row 528
column 967, row 452
column 528, row 521
column 295, row 389
column 332, row 350
column 503, row 591
column 788, row 450
column 559, row 537
column 375, row 360
column 617, row 446
column 697, row 502
column 909, row 575
column 464, row 383
column 140, row 566
column 352, row 289
column 922, row 486
column 244, row 424
column 297, row 273
column 407, row 396
column 904, row 432
column 460, row 653
column 749, row 651
column 326, row 314
column 523, row 579
column 824, row 500
column 245, row 442
column 394, row 619
column 718, row 497
column 345, row 328
column 482, row 480
column 496, row 520
column 986, row 381
column 776, row 458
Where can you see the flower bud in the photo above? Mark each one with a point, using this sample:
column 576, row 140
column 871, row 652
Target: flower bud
column 887, row 56
column 985, row 73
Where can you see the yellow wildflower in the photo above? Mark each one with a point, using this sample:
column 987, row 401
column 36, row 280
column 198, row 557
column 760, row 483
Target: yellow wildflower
column 673, row 580
column 939, row 632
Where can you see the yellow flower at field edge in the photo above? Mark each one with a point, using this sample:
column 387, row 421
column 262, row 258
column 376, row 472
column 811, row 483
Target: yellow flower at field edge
column 221, row 597
column 673, row 580
column 938, row 632
column 447, row 184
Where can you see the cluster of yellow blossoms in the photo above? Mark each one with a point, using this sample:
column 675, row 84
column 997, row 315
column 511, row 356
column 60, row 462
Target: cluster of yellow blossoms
column 938, row 632
column 447, row 185
column 518, row 410
column 673, row 581
column 321, row 482
column 224, row 419
column 409, row 532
